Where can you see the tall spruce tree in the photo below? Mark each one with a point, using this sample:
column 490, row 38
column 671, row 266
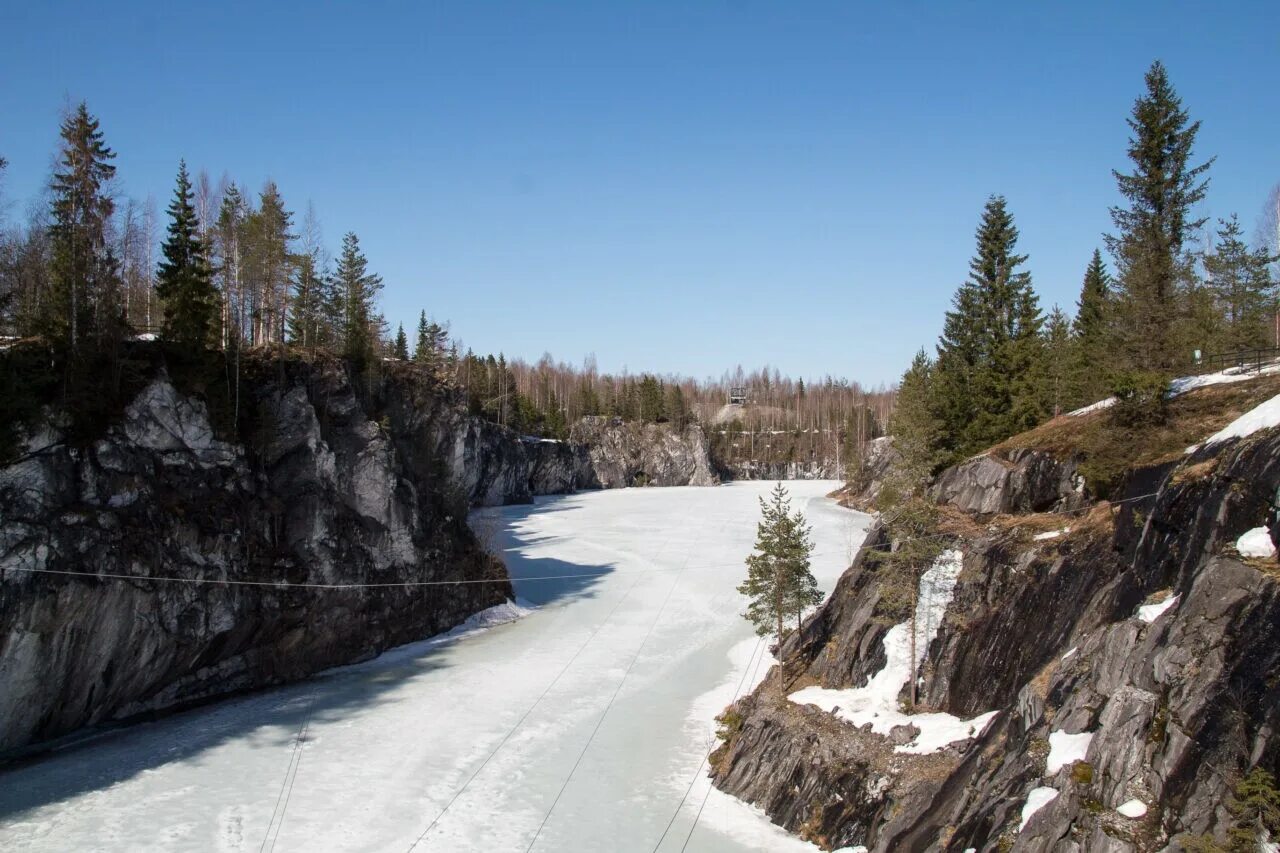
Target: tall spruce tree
column 991, row 380
column 83, row 274
column 1086, row 379
column 184, row 280
column 359, row 289
column 1152, row 268
column 1240, row 280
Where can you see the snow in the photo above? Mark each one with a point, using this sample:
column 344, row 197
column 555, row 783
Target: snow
column 1151, row 612
column 1264, row 416
column 1052, row 534
column 1036, row 800
column 877, row 702
column 1190, row 383
column 1256, row 543
column 1093, row 407
column 1065, row 749
column 146, row 336
column 496, row 717
column 1133, row 809
column 1071, row 651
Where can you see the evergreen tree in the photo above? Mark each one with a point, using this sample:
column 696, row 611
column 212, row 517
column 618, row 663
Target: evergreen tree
column 83, row 272
column 432, row 342
column 916, row 430
column 1256, row 810
column 1152, row 267
column 308, row 322
column 400, row 349
column 1240, row 279
column 1058, row 354
column 268, row 265
column 359, row 289
column 228, row 233
column 184, row 280
column 1086, row 378
column 991, row 380
column 779, row 582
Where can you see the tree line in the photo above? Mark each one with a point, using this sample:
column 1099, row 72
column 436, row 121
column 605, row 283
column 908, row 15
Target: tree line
column 236, row 271
column 1173, row 295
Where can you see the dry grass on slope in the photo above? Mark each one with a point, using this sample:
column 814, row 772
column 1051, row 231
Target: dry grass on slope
column 1110, row 449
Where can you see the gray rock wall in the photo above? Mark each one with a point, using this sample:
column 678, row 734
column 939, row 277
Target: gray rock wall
column 326, row 485
column 1046, row 633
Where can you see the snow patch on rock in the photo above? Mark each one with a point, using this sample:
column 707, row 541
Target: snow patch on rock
column 1151, row 612
column 1260, row 417
column 1133, row 809
column 1189, row 383
column 1036, row 800
column 1065, row 749
column 1256, row 543
column 1052, row 534
column 877, row 702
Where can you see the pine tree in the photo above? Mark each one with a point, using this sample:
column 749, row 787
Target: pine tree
column 1152, row 267
column 184, row 281
column 1256, row 810
column 1240, row 279
column 82, row 270
column 400, row 349
column 268, row 265
column 779, row 582
column 228, row 240
column 359, row 289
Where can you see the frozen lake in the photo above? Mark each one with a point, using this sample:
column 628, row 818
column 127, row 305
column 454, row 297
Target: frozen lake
column 581, row 726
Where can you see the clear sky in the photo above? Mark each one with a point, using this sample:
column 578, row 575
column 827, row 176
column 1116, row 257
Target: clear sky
column 678, row 187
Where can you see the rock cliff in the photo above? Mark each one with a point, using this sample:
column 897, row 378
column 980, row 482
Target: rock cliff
column 327, row 483
column 1123, row 661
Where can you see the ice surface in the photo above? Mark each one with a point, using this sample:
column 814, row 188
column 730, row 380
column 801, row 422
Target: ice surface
column 1256, row 543
column 1066, row 749
column 1151, row 612
column 1036, row 800
column 489, row 722
column 877, row 702
column 1133, row 809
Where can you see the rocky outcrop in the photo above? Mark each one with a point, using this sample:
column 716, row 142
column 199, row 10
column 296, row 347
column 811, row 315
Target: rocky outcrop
column 220, row 562
column 629, row 454
column 224, row 563
column 817, row 469
column 1138, row 630
column 1020, row 480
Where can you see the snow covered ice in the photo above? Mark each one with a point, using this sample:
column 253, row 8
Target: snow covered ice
column 589, row 715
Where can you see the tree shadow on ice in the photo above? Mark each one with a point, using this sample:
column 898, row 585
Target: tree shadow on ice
column 273, row 717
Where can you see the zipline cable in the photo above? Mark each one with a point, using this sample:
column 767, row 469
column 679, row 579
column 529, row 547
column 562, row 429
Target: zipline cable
column 608, row 706
column 706, row 755
column 526, row 714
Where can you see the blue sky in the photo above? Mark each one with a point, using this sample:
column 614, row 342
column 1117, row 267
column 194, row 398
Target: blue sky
column 678, row 187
